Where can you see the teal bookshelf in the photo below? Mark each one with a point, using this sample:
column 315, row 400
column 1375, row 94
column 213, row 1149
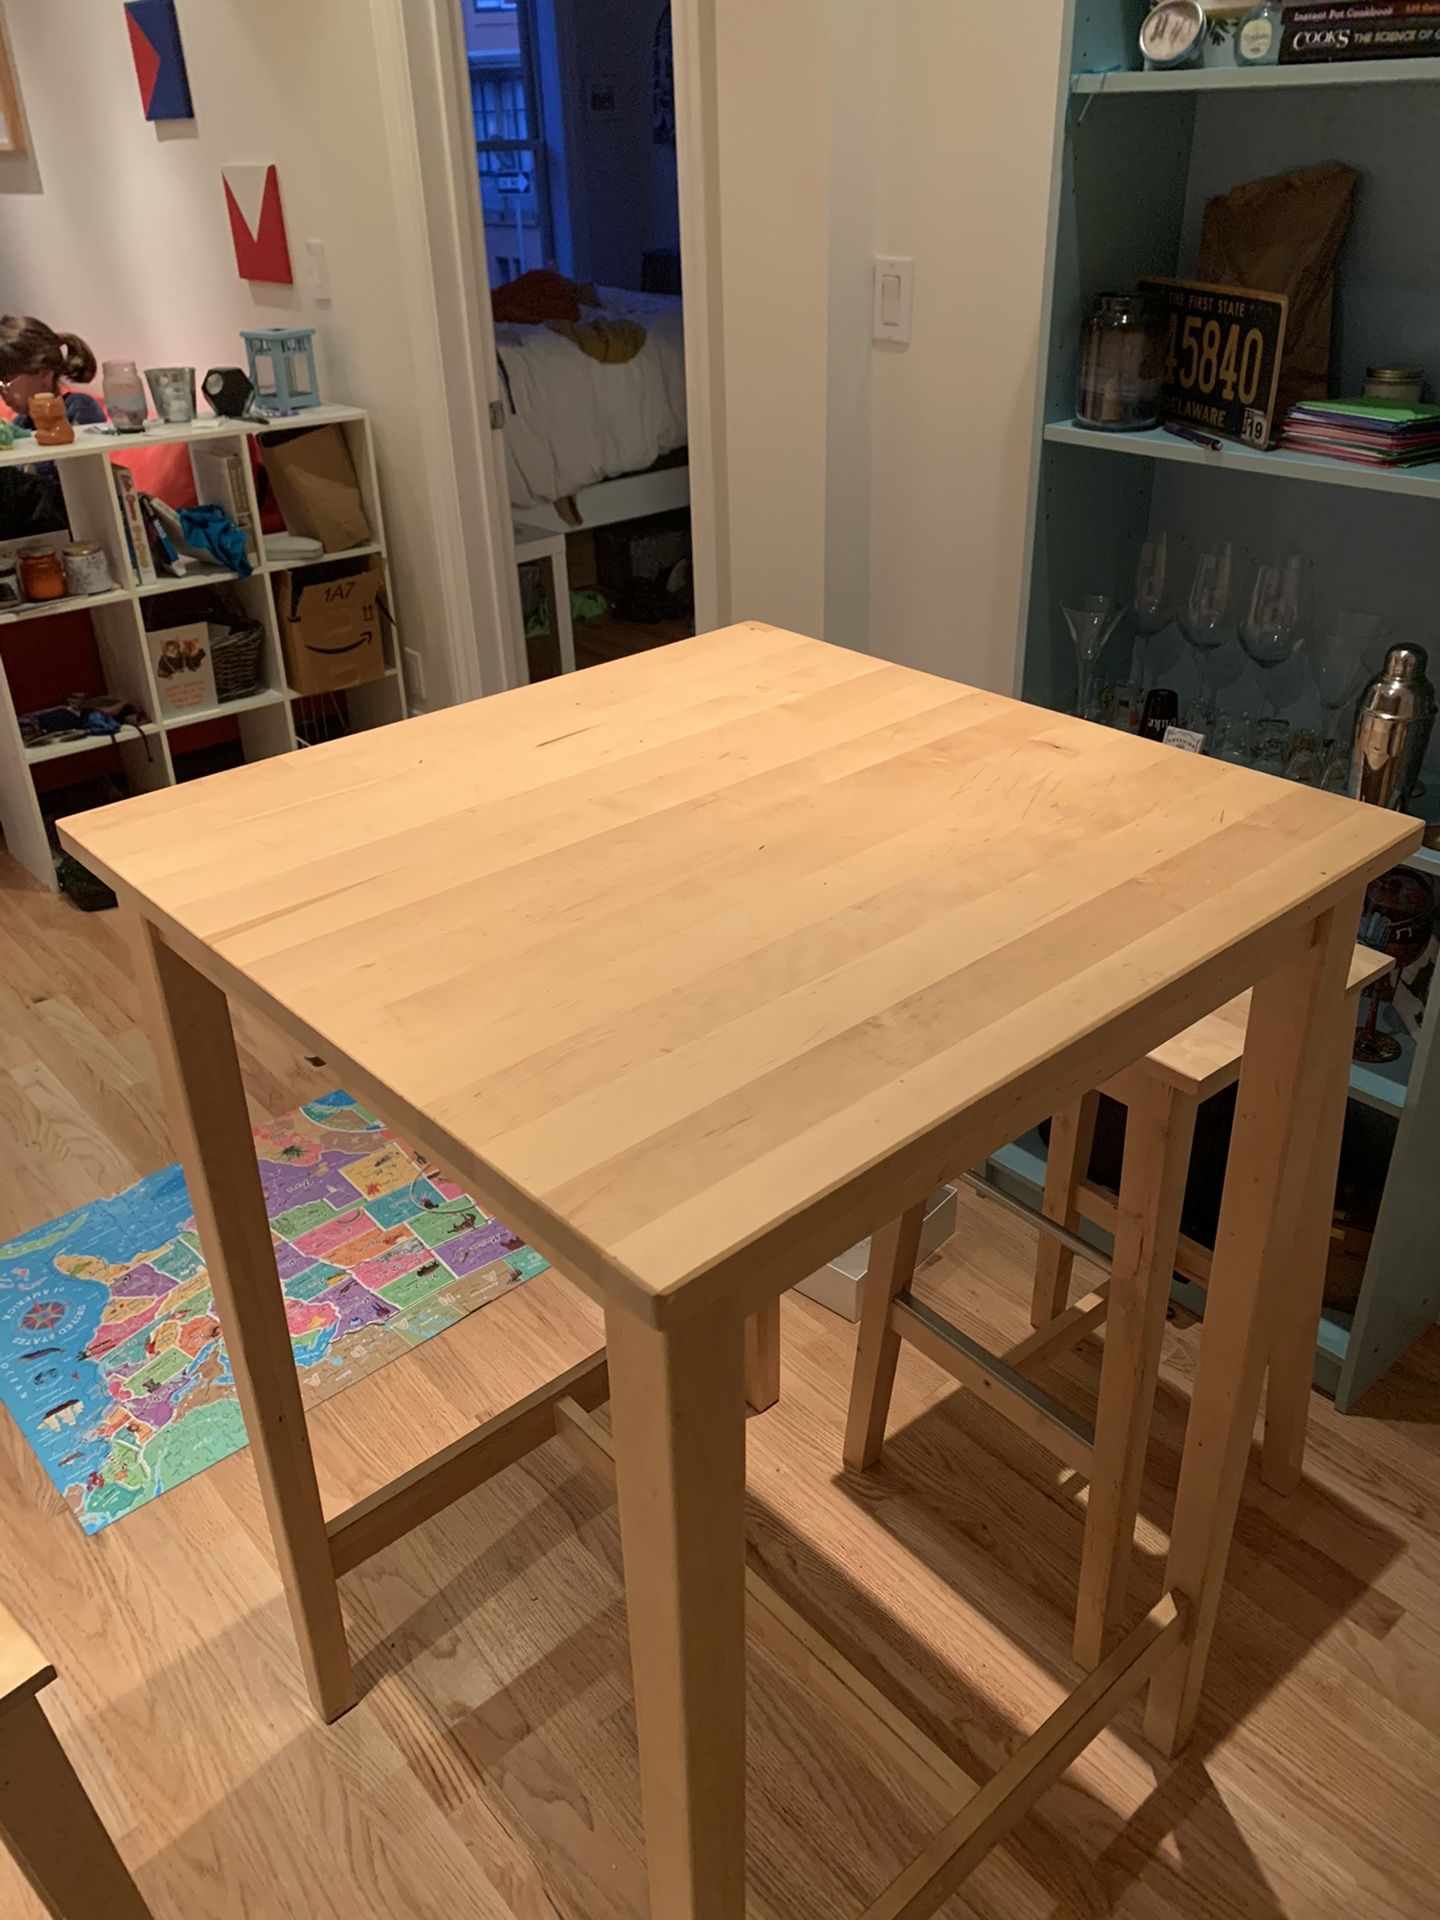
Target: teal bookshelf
column 1137, row 156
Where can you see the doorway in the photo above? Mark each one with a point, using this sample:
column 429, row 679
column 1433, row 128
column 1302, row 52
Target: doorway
column 576, row 160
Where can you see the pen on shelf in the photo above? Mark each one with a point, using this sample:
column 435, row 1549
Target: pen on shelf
column 1189, row 433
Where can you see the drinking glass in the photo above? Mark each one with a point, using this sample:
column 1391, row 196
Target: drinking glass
column 1398, row 918
column 1271, row 631
column 1305, row 760
column 1271, row 745
column 1231, row 739
column 1336, row 776
column 1205, row 615
column 1091, row 625
column 1199, row 716
column 1126, row 700
column 1151, row 602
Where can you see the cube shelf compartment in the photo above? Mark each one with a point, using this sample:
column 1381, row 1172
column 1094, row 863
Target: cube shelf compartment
column 266, row 718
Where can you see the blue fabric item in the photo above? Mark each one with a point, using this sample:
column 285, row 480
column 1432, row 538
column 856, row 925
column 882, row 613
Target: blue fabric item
column 211, row 530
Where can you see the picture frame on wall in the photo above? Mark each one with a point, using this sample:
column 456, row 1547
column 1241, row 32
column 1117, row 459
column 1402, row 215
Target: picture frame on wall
column 12, row 120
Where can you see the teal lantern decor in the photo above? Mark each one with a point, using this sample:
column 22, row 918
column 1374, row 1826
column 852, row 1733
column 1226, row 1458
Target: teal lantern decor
column 282, row 369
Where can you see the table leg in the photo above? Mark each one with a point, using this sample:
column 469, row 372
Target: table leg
column 1281, row 1084
column 678, row 1413
column 51, row 1828
column 1295, row 1325
column 205, row 1096
column 762, row 1357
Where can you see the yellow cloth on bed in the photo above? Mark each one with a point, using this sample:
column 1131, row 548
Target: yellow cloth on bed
column 610, row 341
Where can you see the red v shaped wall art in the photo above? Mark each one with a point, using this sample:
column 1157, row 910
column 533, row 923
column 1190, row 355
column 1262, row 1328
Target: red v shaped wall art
column 257, row 224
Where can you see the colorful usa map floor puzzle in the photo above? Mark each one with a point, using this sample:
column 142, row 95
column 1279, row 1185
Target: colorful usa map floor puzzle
column 111, row 1360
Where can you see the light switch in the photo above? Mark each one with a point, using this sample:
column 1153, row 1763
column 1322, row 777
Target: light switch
column 319, row 271
column 894, row 297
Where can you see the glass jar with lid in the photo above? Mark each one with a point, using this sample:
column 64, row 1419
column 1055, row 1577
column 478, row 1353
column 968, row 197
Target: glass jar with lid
column 42, row 577
column 1122, row 357
column 1397, row 386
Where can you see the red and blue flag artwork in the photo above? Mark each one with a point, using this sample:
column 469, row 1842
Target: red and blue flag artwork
column 159, row 59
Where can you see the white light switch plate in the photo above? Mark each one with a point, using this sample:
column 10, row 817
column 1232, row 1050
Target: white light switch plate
column 894, row 297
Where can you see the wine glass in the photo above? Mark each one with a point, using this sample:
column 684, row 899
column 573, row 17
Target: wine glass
column 1151, row 602
column 1091, row 625
column 1398, row 919
column 1340, row 660
column 1271, row 631
column 1205, row 615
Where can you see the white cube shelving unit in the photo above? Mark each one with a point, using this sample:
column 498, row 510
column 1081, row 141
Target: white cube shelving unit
column 265, row 718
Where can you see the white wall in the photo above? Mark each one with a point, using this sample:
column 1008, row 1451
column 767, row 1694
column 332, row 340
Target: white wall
column 963, row 168
column 773, row 105
column 879, row 495
column 117, row 229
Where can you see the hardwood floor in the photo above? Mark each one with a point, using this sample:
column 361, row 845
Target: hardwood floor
column 489, row 1769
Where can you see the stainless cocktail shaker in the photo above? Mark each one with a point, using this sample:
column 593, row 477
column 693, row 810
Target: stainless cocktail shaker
column 1392, row 729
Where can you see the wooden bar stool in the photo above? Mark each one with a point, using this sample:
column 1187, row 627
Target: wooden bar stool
column 47, row 1822
column 1161, row 1094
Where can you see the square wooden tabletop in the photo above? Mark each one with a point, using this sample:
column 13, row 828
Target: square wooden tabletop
column 696, row 966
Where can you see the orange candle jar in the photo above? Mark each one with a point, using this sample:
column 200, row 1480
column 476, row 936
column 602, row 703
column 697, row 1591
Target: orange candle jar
column 41, row 575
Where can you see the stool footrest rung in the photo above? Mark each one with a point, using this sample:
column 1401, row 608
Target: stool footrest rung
column 389, row 1513
column 1023, row 1403
column 1082, row 1249
column 985, row 1819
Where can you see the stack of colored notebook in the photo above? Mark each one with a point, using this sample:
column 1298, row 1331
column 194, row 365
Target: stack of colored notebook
column 1370, row 433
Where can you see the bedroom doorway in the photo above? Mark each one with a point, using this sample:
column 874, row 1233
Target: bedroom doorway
column 576, row 163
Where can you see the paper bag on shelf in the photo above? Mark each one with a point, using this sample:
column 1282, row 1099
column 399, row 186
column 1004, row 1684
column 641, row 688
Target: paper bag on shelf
column 1281, row 235
column 316, row 488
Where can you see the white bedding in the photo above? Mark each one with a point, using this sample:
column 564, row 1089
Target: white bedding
column 571, row 421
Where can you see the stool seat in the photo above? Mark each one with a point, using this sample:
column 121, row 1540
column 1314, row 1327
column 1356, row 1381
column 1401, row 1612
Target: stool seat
column 47, row 1822
column 1204, row 1058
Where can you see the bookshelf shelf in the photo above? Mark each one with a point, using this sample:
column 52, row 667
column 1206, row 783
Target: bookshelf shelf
column 71, row 603
column 185, row 582
column 1129, row 192
column 123, row 617
column 1337, row 73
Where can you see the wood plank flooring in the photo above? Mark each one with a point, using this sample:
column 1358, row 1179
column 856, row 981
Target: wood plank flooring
column 489, row 1769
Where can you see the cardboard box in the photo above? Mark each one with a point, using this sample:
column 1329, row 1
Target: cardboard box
column 838, row 1285
column 330, row 625
column 184, row 674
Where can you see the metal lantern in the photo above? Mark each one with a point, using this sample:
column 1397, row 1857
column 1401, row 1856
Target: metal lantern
column 282, row 369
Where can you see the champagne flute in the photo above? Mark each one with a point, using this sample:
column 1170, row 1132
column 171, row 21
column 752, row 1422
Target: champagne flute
column 1205, row 615
column 1091, row 625
column 1271, row 631
column 1151, row 603
column 1339, row 663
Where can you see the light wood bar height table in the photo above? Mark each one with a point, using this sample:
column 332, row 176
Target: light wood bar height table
column 698, row 968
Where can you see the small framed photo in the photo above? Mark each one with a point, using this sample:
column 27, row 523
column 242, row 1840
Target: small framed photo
column 602, row 98
column 12, row 120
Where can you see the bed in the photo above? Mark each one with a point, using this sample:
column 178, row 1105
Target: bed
column 608, row 438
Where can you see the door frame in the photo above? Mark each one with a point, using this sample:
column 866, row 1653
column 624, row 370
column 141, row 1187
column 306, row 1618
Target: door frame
column 426, row 116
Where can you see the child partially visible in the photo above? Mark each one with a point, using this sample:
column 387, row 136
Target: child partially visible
column 35, row 359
